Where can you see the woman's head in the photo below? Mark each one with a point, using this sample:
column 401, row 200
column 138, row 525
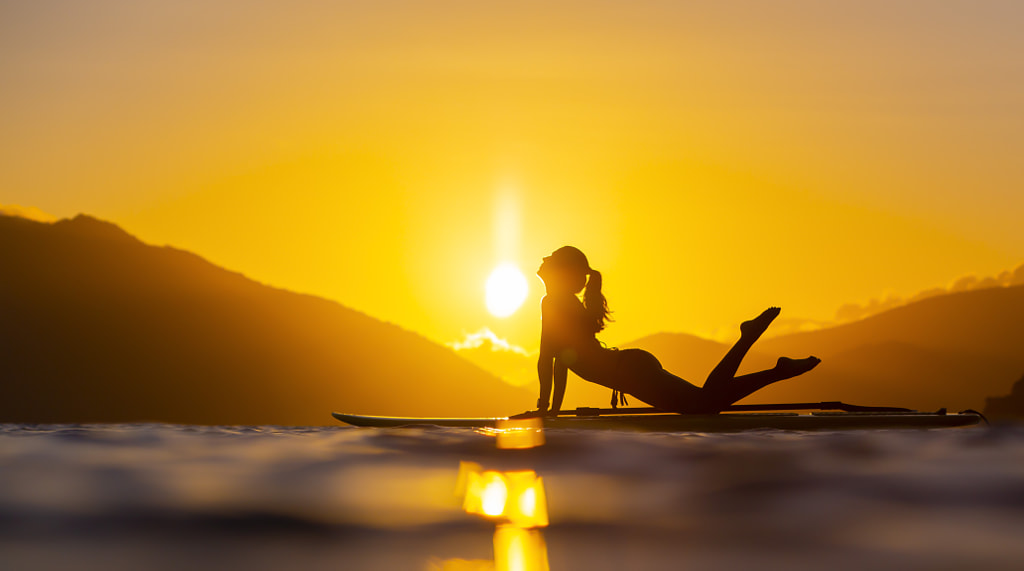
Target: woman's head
column 567, row 270
column 571, row 258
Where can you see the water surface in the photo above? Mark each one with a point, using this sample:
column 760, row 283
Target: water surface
column 171, row 497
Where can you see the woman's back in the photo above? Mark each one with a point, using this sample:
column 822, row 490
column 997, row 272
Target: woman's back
column 567, row 333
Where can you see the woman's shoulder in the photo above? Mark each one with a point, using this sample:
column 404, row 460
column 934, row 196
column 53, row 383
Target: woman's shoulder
column 566, row 309
column 557, row 302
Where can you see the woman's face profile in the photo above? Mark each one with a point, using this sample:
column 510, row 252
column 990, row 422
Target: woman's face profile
column 545, row 266
column 557, row 278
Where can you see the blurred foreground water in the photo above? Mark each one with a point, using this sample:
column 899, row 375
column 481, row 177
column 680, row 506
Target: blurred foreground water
column 152, row 496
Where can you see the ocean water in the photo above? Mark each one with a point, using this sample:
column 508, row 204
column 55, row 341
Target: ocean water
column 151, row 496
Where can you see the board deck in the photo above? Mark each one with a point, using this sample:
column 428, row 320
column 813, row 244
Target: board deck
column 723, row 422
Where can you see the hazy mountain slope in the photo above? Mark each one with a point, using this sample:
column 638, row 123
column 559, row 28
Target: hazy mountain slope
column 980, row 322
column 950, row 351
column 97, row 326
column 1007, row 406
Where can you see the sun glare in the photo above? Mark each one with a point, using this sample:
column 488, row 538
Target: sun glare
column 505, row 291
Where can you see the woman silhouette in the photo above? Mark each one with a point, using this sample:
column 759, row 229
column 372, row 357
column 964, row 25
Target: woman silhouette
column 568, row 342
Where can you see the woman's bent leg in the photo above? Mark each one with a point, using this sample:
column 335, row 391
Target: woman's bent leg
column 723, row 395
column 750, row 331
column 642, row 376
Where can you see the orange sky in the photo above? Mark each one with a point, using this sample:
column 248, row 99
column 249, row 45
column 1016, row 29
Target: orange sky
column 711, row 158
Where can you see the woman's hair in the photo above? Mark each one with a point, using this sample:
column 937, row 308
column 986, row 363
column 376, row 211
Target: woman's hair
column 594, row 302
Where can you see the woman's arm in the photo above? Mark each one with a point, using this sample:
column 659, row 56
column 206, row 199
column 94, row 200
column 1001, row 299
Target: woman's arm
column 546, row 366
column 561, row 372
column 545, row 372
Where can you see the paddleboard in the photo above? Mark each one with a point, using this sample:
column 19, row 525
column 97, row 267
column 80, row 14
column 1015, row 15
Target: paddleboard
column 723, row 422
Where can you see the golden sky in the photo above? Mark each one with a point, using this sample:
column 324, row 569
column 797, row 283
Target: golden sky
column 711, row 158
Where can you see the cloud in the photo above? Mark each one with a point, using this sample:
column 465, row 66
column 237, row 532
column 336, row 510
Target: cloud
column 511, row 363
column 853, row 311
column 29, row 212
column 485, row 338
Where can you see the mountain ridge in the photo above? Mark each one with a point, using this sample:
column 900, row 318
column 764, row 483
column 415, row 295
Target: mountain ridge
column 953, row 350
column 96, row 326
column 87, row 309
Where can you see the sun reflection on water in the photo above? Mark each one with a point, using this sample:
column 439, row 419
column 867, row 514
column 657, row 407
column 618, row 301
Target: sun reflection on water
column 514, row 499
column 517, row 434
column 518, row 549
column 494, row 495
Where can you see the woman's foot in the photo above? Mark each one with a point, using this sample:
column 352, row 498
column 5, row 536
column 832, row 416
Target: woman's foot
column 755, row 327
column 794, row 367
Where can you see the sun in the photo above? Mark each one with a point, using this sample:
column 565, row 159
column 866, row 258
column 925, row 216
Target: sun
column 506, row 290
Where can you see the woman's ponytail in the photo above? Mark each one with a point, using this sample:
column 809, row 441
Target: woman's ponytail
column 595, row 302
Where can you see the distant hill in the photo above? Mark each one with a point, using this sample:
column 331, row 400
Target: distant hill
column 96, row 326
column 1008, row 406
column 951, row 350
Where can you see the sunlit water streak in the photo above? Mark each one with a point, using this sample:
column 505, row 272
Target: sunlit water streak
column 170, row 497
